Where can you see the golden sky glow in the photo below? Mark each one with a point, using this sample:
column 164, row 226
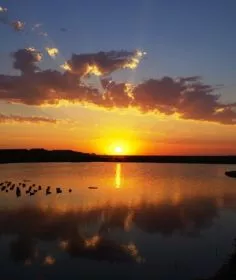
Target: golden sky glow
column 102, row 131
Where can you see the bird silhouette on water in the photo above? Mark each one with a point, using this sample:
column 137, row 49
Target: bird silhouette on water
column 31, row 190
column 48, row 190
column 58, row 190
column 32, row 193
column 18, row 192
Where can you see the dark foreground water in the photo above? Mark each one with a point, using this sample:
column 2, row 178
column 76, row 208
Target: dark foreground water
column 144, row 221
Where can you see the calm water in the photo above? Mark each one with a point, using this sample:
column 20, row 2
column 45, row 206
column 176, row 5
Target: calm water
column 145, row 221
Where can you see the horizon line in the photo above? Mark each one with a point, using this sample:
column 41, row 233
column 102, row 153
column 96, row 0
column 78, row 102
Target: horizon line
column 118, row 155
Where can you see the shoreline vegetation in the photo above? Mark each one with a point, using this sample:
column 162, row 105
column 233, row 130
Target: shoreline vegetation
column 42, row 155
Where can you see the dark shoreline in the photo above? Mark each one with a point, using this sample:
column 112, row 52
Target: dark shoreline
column 42, row 155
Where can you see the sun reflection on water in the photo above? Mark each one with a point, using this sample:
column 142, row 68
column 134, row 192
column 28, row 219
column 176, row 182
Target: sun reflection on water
column 118, row 176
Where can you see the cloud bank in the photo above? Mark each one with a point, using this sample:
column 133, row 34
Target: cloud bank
column 186, row 97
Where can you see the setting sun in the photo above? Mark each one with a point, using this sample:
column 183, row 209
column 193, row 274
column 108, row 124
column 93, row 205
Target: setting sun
column 118, row 150
column 117, row 146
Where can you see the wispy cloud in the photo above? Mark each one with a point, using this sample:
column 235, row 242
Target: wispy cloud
column 18, row 25
column 21, row 119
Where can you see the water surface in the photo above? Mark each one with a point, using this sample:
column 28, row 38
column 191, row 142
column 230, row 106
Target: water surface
column 144, row 221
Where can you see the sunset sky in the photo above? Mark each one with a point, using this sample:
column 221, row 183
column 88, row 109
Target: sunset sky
column 128, row 76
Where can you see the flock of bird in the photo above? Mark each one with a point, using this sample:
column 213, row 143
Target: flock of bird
column 20, row 188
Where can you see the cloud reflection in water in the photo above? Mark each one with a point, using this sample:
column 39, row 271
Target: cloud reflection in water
column 91, row 233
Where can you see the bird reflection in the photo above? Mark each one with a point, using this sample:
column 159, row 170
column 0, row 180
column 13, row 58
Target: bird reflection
column 118, row 176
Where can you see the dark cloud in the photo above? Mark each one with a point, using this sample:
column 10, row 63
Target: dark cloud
column 187, row 97
column 46, row 87
column 20, row 119
column 103, row 62
column 25, row 60
column 158, row 95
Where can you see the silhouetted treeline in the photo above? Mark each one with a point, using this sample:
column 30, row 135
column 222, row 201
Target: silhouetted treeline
column 42, row 155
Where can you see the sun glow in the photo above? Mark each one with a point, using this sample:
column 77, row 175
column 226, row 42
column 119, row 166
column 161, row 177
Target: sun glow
column 117, row 140
column 118, row 147
column 118, row 150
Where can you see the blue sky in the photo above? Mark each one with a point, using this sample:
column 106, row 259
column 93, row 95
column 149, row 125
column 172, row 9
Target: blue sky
column 182, row 37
